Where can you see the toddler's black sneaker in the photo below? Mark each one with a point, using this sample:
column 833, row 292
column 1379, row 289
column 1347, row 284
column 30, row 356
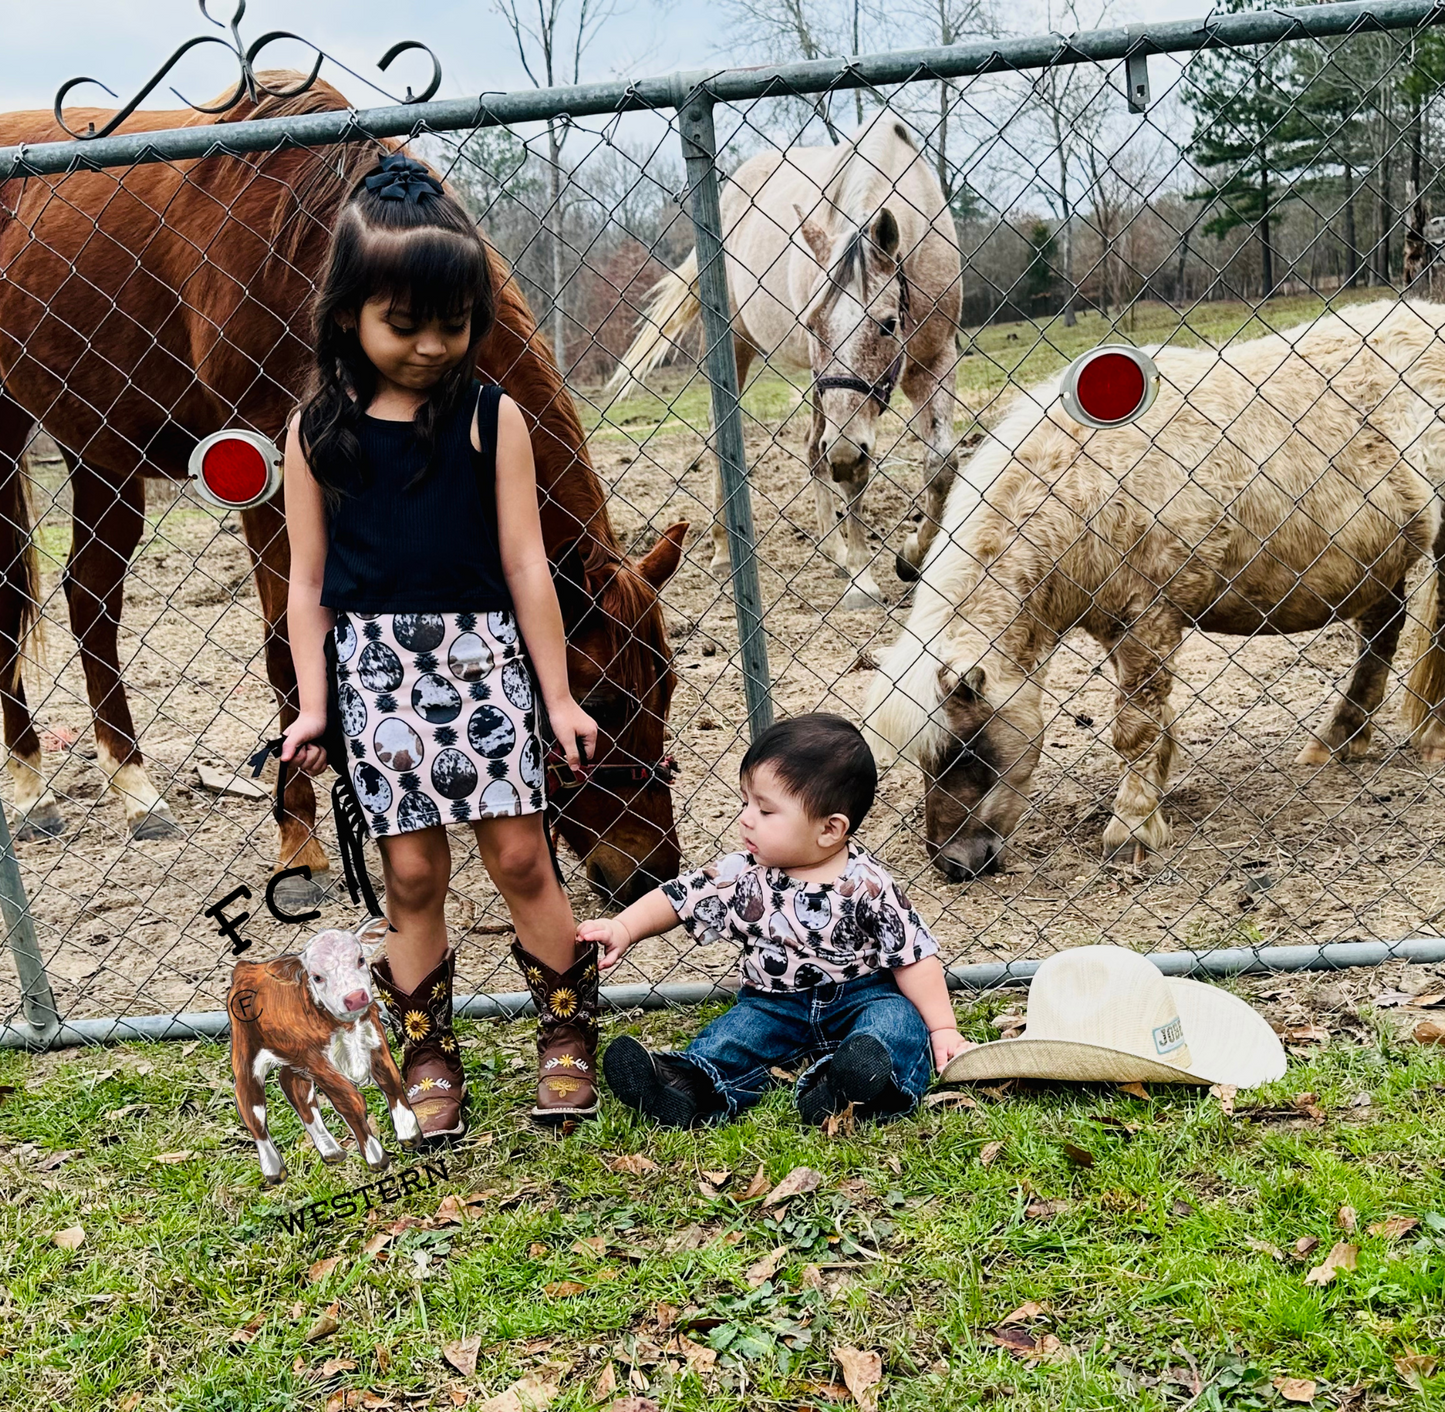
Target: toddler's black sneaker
column 673, row 1094
column 858, row 1072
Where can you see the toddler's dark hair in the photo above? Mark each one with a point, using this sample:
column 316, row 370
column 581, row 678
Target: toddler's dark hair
column 823, row 760
column 427, row 255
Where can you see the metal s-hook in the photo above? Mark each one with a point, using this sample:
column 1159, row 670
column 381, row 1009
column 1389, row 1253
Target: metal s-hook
column 401, row 47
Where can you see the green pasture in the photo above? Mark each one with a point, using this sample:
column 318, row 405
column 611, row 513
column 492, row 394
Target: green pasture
column 1041, row 1248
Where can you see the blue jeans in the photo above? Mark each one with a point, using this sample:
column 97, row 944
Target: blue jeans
column 738, row 1050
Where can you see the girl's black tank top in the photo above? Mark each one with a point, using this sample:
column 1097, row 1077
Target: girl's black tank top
column 431, row 547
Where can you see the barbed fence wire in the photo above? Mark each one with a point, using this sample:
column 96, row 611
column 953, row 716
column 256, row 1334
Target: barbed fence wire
column 1193, row 185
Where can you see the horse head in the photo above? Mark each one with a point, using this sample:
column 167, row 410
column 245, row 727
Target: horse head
column 978, row 762
column 856, row 318
column 619, row 821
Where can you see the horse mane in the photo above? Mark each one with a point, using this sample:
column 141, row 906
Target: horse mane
column 865, row 170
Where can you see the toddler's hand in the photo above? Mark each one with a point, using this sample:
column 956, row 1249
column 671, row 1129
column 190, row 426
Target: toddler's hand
column 947, row 1043
column 610, row 935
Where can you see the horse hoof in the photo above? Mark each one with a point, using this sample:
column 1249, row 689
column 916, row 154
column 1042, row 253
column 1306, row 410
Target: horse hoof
column 858, row 598
column 1131, row 853
column 720, row 569
column 295, row 895
column 906, row 571
column 334, row 1159
column 273, row 1181
column 41, row 822
column 153, row 825
column 1314, row 752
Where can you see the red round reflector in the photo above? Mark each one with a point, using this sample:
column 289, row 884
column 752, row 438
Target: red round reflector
column 1109, row 386
column 234, row 471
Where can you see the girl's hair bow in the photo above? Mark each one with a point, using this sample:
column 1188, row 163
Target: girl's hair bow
column 399, row 178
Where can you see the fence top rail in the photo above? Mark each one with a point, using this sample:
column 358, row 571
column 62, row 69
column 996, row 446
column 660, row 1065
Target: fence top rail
column 1213, row 31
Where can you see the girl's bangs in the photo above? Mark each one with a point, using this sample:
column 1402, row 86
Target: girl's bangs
column 434, row 273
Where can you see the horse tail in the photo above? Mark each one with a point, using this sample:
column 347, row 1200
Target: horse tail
column 1425, row 643
column 673, row 307
column 19, row 553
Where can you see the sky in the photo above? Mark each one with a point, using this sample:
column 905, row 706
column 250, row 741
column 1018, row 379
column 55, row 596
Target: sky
column 123, row 42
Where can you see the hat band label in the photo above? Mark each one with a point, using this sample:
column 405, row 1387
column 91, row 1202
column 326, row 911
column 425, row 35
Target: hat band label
column 1168, row 1038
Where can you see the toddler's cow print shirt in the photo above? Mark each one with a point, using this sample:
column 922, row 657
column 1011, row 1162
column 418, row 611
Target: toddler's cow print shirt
column 794, row 934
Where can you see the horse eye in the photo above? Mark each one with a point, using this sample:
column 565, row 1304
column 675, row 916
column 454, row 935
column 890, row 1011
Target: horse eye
column 888, row 326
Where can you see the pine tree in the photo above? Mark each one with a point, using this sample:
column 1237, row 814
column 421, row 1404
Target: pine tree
column 1240, row 100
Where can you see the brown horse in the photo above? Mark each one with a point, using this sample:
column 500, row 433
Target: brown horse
column 142, row 309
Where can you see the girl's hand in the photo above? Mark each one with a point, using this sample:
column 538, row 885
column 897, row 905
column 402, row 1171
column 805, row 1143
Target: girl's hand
column 296, row 743
column 576, row 733
column 610, row 935
column 947, row 1043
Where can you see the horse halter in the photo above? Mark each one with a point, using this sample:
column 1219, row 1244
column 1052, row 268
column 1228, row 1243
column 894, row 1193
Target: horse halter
column 881, row 391
column 560, row 778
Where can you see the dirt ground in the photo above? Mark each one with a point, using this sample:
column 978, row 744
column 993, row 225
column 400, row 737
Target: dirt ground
column 1262, row 850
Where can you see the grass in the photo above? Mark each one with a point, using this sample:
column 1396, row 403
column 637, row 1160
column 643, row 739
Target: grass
column 995, row 357
column 1155, row 1265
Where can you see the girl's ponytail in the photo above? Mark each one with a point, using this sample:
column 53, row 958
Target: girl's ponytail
column 399, row 233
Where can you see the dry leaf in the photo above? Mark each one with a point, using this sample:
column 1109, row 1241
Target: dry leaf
column 634, row 1164
column 1225, row 1094
column 462, row 1354
column 1078, row 1155
column 1181, row 1208
column 758, row 1186
column 1022, row 1344
column 326, row 1324
column 590, row 1245
column 767, row 1267
column 1415, row 1367
column 1342, row 1257
column 843, row 1124
column 1264, row 1248
column 459, row 1395
column 700, row 1358
column 71, row 1238
column 244, row 1335
column 1306, row 1245
column 862, row 1371
column 721, row 1178
column 383, row 1357
column 1042, row 1210
column 949, row 1098
column 1348, row 1218
column 606, row 1383
column 451, row 1212
column 665, row 1315
column 1395, row 1227
column 131, row 1403
column 796, row 1183
column 173, row 1157
column 1134, row 1090
column 377, row 1243
column 1026, row 1313
column 1429, row 1032
column 634, row 1404
column 1307, row 1034
column 988, row 1152
column 1295, row 1389
column 322, row 1268
column 333, row 1366
column 810, row 1277
column 564, row 1289
column 531, row 1394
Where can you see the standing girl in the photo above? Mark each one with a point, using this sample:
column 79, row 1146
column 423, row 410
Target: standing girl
column 420, row 581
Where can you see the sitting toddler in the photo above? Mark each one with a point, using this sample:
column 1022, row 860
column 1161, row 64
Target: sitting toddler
column 836, row 965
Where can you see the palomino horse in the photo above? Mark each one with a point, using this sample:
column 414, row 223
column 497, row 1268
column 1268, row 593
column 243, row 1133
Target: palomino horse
column 1274, row 487
column 143, row 309
column 844, row 259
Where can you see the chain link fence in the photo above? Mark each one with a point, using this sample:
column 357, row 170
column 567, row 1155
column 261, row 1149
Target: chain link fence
column 911, row 242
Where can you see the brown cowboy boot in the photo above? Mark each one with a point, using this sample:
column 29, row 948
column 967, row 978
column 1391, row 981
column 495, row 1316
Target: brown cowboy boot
column 566, row 1035
column 431, row 1065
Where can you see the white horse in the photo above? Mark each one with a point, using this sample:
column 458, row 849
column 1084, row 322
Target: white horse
column 1273, row 487
column 844, row 259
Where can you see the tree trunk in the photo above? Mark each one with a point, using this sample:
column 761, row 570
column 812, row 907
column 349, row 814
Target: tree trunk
column 1352, row 243
column 1387, row 219
column 554, row 236
column 1266, row 246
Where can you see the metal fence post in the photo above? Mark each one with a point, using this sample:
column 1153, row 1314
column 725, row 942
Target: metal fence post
column 699, row 151
column 36, row 997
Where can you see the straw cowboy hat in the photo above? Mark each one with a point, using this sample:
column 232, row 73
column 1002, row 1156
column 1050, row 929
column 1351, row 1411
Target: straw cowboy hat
column 1104, row 1013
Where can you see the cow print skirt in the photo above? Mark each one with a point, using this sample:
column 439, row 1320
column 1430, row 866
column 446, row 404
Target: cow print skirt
column 439, row 711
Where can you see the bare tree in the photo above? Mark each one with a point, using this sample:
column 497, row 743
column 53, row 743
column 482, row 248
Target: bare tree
column 1071, row 101
column 551, row 46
